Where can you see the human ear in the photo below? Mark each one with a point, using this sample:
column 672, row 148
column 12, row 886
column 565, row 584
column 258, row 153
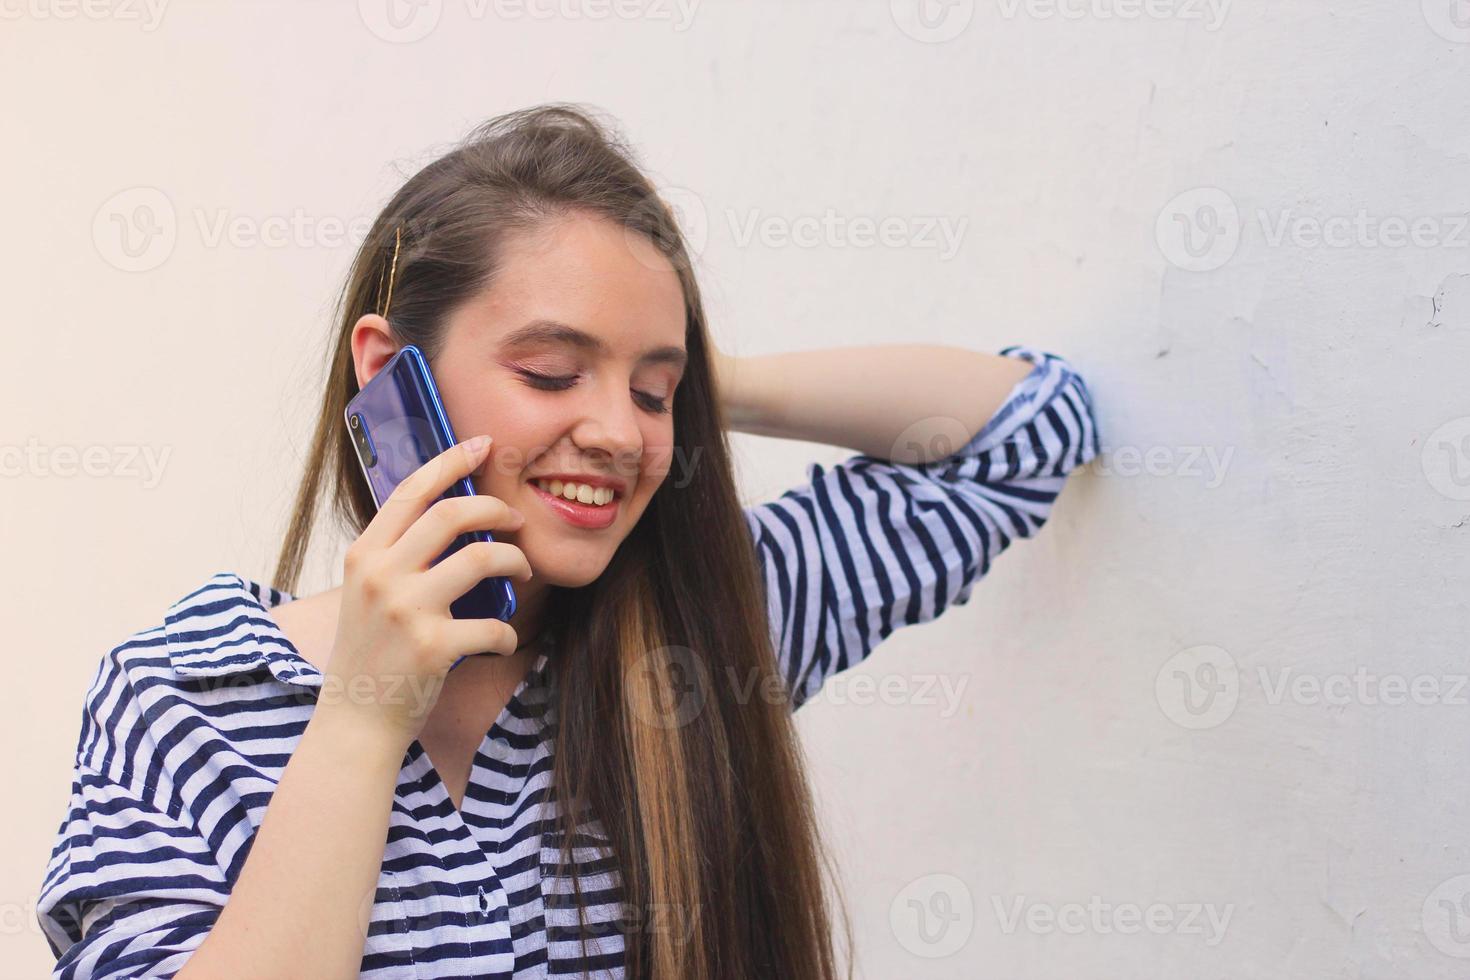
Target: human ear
column 372, row 346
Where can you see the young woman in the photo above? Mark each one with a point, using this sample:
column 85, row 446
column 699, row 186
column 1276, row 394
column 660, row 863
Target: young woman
column 270, row 786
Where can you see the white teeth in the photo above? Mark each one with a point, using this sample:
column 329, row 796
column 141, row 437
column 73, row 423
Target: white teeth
column 580, row 492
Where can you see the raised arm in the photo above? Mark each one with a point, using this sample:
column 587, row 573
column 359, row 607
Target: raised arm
column 903, row 403
column 871, row 545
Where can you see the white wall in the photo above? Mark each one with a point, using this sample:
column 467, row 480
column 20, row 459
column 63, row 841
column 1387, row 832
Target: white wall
column 1326, row 382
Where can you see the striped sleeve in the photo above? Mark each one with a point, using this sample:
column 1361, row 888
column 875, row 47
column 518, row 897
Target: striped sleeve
column 131, row 887
column 868, row 546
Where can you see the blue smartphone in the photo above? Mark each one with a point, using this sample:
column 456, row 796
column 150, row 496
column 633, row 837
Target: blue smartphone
column 397, row 424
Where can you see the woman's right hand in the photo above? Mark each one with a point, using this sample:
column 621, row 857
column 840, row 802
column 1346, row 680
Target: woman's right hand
column 396, row 639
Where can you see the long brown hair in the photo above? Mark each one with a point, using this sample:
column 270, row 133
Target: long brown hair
column 708, row 812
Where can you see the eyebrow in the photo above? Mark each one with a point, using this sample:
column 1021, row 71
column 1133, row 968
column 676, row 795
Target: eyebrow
column 555, row 332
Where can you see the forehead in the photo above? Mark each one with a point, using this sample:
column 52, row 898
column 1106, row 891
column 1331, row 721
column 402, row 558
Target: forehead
column 586, row 273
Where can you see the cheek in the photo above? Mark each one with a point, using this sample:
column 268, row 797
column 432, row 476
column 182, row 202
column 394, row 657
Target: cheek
column 520, row 434
column 513, row 444
column 659, row 462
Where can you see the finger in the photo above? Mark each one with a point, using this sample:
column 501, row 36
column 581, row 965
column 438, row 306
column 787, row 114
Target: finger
column 463, row 570
column 435, row 530
column 420, row 489
column 465, row 637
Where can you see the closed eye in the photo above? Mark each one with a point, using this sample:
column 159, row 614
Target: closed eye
column 549, row 382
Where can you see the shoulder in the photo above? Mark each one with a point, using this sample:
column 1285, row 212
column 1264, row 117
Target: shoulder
column 157, row 689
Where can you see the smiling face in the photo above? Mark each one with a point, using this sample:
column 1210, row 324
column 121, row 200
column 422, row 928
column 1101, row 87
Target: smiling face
column 569, row 360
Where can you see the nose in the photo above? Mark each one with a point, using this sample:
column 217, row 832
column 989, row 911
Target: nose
column 611, row 426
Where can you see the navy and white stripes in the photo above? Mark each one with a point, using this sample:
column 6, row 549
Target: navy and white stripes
column 187, row 726
column 869, row 546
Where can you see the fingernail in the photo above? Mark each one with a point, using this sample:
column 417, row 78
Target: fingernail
column 477, row 443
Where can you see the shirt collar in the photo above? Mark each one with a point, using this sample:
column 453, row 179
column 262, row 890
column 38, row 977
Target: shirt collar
column 223, row 628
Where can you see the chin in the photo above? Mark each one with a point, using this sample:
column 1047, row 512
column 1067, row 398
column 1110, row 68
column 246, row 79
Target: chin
column 567, row 580
column 566, row 569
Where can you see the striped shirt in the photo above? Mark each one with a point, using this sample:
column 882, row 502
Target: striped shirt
column 187, row 726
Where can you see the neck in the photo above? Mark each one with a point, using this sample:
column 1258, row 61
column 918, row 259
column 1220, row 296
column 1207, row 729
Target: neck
column 529, row 616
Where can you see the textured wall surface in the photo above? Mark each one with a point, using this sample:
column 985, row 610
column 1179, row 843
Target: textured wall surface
column 1210, row 723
